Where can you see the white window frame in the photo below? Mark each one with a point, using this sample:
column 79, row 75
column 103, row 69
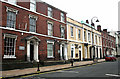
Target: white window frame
column 32, row 17
column 50, row 12
column 33, row 3
column 96, row 39
column 89, row 36
column 62, row 17
column 50, row 30
column 79, row 33
column 73, row 47
column 11, row 36
column 85, row 35
column 12, row 1
column 71, row 31
column 9, row 9
column 50, row 42
column 62, row 34
column 86, row 51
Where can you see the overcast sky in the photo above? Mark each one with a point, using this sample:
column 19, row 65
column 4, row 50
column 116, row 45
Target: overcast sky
column 105, row 10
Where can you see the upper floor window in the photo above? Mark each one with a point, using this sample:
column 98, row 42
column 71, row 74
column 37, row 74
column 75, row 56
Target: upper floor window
column 62, row 31
column 85, row 35
column 89, row 37
column 50, row 29
column 50, row 13
column 32, row 25
column 92, row 38
column 33, row 5
column 99, row 40
column 79, row 32
column 12, row 1
column 32, row 22
column 62, row 17
column 96, row 39
column 72, row 31
column 11, row 17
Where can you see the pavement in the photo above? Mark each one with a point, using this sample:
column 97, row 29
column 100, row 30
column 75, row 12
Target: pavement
column 28, row 71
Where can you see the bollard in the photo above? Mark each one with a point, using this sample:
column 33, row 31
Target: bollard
column 71, row 62
column 38, row 65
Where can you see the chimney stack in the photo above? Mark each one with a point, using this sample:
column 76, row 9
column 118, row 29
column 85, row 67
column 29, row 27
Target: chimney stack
column 93, row 24
column 87, row 21
column 105, row 30
column 99, row 28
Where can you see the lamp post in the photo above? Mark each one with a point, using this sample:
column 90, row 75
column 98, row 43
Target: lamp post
column 92, row 23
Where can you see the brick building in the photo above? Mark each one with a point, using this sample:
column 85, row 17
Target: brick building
column 32, row 31
column 108, row 42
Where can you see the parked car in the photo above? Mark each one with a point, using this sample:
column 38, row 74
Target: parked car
column 110, row 58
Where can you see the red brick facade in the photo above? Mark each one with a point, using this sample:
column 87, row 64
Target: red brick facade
column 22, row 19
column 108, row 43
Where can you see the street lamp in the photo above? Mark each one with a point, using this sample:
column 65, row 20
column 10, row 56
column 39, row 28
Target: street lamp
column 95, row 21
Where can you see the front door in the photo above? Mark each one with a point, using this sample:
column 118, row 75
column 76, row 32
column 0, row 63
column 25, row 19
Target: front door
column 72, row 50
column 80, row 55
column 31, row 51
column 63, row 52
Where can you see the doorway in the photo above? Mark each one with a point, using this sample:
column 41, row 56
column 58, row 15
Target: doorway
column 80, row 55
column 31, row 51
column 63, row 52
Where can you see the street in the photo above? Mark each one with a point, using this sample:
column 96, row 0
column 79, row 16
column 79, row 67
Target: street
column 104, row 69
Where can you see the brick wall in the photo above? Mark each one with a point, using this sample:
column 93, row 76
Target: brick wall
column 22, row 18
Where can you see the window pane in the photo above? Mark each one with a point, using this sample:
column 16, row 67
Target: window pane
column 12, row 1
column 11, row 19
column 33, row 5
column 50, row 50
column 32, row 25
column 49, row 11
column 62, row 17
column 50, row 29
column 9, row 46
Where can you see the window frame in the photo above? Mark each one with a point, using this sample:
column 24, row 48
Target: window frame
column 89, row 37
column 71, row 31
column 52, row 43
column 79, row 33
column 35, row 18
column 85, row 35
column 33, row 3
column 32, row 25
column 62, row 17
column 50, row 29
column 15, row 38
column 50, row 10
column 12, row 1
column 12, row 11
column 62, row 34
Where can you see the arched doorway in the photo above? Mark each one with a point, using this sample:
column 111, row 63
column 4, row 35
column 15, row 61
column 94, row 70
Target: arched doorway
column 32, row 48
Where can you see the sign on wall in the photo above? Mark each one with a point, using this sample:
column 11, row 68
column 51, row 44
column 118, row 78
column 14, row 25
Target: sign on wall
column 21, row 48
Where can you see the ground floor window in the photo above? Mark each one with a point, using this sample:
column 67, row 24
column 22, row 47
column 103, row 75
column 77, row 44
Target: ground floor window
column 9, row 45
column 49, row 50
column 85, row 52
